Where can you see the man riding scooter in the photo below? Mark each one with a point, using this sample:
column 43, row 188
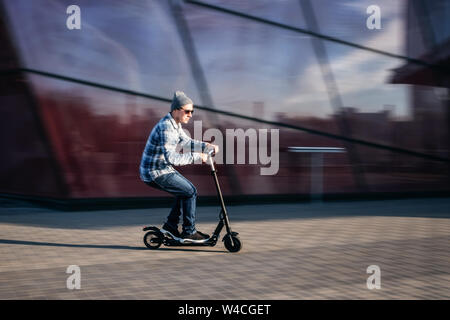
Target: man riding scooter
column 158, row 159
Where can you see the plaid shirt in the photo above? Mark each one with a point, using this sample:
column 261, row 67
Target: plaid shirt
column 160, row 150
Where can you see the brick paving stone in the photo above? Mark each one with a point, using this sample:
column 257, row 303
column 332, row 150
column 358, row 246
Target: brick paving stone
column 291, row 251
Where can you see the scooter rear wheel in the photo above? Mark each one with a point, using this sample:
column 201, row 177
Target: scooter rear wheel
column 232, row 243
column 153, row 239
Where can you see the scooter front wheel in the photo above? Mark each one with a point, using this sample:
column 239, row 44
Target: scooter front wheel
column 153, row 239
column 232, row 243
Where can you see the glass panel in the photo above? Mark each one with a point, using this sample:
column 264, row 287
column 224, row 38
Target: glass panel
column 282, row 11
column 347, row 20
column 97, row 136
column 281, row 80
column 438, row 13
column 127, row 44
column 388, row 172
column 251, row 69
column 409, row 117
column 257, row 70
column 99, row 150
column 26, row 165
column 344, row 20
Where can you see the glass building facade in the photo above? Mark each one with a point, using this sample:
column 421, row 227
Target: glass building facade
column 78, row 105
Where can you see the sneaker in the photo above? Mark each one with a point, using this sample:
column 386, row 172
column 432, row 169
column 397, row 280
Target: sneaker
column 197, row 237
column 204, row 235
column 174, row 233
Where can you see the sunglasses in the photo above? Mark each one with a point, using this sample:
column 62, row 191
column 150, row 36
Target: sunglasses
column 188, row 111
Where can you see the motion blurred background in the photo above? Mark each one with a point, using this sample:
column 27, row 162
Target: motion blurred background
column 76, row 106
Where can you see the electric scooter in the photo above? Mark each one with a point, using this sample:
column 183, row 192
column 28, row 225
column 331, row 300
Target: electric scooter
column 155, row 237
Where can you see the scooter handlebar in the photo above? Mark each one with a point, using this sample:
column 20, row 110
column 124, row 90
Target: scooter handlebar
column 210, row 154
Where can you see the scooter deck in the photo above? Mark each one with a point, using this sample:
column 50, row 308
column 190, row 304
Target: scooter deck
column 170, row 240
column 175, row 243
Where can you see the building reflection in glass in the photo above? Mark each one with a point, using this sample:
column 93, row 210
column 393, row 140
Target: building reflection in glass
column 88, row 98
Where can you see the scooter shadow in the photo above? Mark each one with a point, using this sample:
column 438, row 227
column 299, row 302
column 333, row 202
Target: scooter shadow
column 97, row 246
column 69, row 245
column 185, row 249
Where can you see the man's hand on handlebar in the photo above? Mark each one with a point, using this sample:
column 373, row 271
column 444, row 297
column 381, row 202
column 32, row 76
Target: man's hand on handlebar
column 213, row 146
column 211, row 151
column 204, row 157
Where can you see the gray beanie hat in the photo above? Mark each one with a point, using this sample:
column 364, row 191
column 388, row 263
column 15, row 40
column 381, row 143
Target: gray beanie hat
column 179, row 100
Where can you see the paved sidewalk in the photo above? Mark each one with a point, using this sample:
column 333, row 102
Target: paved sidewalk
column 291, row 251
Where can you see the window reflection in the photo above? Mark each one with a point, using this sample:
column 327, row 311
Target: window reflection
column 230, row 63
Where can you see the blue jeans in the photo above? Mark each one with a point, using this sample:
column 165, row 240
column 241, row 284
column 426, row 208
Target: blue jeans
column 186, row 197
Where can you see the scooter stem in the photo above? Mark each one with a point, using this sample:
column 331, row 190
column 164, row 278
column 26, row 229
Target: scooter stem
column 219, row 193
column 211, row 162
